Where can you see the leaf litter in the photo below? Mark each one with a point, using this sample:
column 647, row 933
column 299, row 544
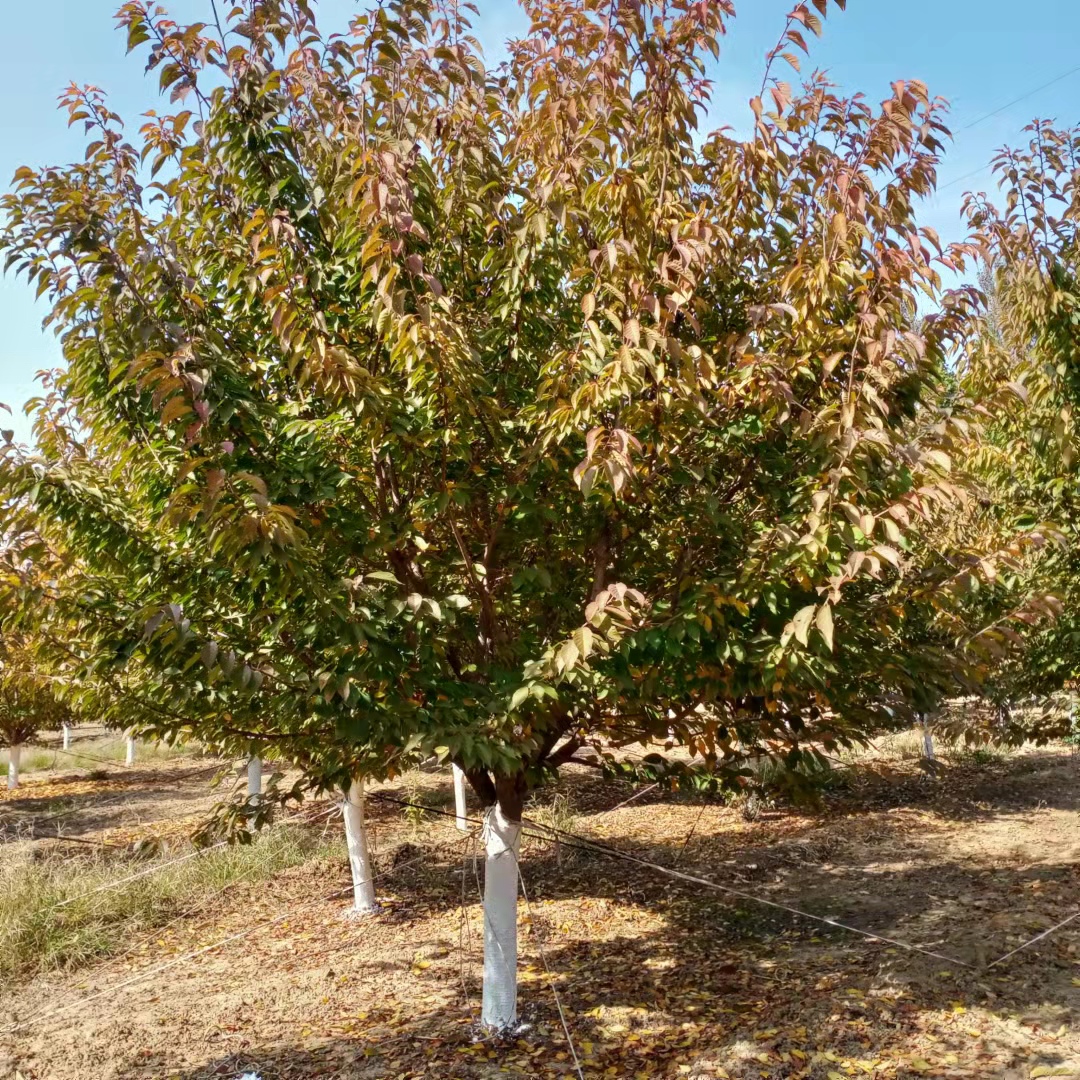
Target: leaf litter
column 658, row 979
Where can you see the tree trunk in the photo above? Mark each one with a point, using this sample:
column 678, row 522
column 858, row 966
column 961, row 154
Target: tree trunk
column 254, row 776
column 67, row 736
column 459, row 799
column 14, row 757
column 502, row 832
column 927, row 738
column 129, row 757
column 359, row 856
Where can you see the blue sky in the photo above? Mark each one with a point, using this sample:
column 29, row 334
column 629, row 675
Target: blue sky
column 979, row 54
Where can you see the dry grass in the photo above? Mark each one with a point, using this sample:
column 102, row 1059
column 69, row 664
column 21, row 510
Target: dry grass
column 907, row 746
column 657, row 978
column 55, row 912
column 106, row 748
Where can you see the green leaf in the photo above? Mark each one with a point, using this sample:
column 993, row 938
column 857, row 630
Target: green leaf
column 382, row 575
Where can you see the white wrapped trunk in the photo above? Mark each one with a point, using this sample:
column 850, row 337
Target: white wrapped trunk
column 459, row 799
column 927, row 740
column 254, row 776
column 359, row 856
column 129, row 758
column 67, row 736
column 14, row 757
column 503, row 839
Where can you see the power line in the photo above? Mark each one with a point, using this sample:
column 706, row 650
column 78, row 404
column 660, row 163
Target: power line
column 997, row 112
column 961, row 179
column 1022, row 97
column 1034, row 940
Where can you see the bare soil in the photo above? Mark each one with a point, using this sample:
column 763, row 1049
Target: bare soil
column 657, row 977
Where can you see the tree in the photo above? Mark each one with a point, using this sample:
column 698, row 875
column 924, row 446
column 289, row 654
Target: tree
column 415, row 407
column 28, row 703
column 1022, row 364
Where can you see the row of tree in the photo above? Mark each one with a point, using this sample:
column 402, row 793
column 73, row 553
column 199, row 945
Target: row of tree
column 413, row 407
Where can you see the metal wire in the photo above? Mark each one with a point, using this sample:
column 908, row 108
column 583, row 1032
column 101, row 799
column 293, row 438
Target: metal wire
column 550, row 974
column 167, row 965
column 572, row 840
column 1034, row 940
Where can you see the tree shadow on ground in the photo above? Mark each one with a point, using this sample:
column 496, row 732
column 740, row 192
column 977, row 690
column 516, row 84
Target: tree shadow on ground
column 964, row 785
column 664, row 978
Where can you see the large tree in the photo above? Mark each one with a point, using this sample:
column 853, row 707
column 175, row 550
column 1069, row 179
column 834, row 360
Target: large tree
column 413, row 406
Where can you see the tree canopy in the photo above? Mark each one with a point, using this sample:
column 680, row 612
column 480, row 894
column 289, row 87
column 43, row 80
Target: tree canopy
column 1021, row 363
column 419, row 407
column 29, row 701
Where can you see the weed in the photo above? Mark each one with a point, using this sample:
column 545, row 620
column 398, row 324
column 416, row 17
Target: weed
column 420, row 799
column 978, row 756
column 33, row 759
column 807, row 781
column 557, row 814
column 1073, row 738
column 107, row 748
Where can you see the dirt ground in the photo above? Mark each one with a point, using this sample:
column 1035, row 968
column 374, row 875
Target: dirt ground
column 657, row 977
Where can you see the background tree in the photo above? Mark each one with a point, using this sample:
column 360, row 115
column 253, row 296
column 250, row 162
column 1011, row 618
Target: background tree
column 29, row 703
column 414, row 407
column 1022, row 363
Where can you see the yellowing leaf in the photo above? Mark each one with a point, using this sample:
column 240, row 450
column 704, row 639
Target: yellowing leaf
column 583, row 639
column 824, row 623
column 939, row 458
column 800, row 625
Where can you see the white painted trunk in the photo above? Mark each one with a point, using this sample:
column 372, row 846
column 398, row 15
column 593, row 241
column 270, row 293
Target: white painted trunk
column 254, row 776
column 459, row 799
column 359, row 856
column 129, row 758
column 503, row 837
column 928, row 741
column 14, row 758
column 67, row 736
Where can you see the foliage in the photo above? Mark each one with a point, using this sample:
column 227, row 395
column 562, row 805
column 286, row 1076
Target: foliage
column 1022, row 364
column 29, row 702
column 416, row 407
